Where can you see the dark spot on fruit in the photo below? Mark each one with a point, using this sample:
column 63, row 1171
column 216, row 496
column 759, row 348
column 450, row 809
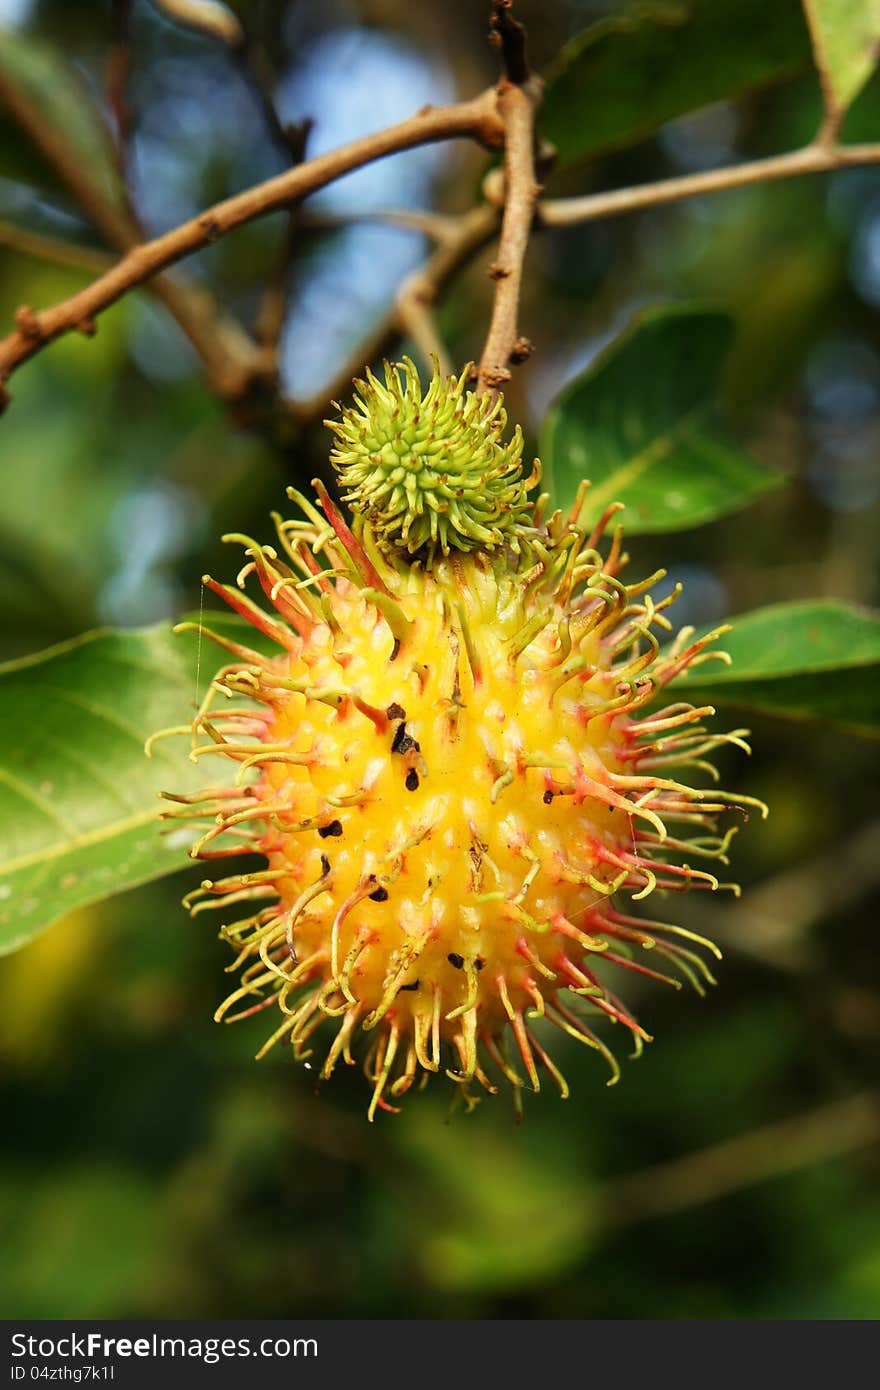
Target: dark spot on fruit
column 334, row 828
column 380, row 895
column 548, row 797
column 414, row 984
column 455, row 959
column 479, row 962
column 403, row 742
column 395, row 648
column 396, row 711
column 412, row 780
column 325, row 865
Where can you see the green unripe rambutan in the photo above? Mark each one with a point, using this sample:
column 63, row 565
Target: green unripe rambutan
column 451, row 768
column 431, row 473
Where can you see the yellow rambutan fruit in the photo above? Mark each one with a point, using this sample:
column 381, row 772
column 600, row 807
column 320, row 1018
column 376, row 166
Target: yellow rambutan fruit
column 449, row 767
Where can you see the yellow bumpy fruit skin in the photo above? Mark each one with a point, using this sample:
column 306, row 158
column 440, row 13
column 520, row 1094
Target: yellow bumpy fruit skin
column 452, row 776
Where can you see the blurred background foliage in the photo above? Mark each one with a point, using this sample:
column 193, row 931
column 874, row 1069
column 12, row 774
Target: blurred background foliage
column 149, row 1168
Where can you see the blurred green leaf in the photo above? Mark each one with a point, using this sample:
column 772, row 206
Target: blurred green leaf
column 846, row 42
column 619, row 80
column 42, row 77
column 55, row 559
column 78, row 798
column 639, row 424
column 498, row 1215
column 817, row 659
column 99, row 1217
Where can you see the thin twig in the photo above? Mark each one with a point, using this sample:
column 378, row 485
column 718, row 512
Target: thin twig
column 420, row 290
column 227, row 353
column 256, row 69
column 775, row 922
column 218, row 22
column 411, row 313
column 765, row 1153
column 110, row 219
column 273, row 302
column 504, row 342
column 439, row 226
column 117, row 76
column 518, row 100
column 474, row 230
column 415, row 318
column 509, row 37
column 205, row 16
column 54, row 249
column 477, row 119
column 812, row 159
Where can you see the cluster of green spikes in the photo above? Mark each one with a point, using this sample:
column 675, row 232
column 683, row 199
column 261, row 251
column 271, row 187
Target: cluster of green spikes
column 432, row 474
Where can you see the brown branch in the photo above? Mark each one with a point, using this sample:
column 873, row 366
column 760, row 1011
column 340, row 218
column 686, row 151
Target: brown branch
column 519, row 97
column 509, row 37
column 812, row 159
column 477, row 119
column 517, row 105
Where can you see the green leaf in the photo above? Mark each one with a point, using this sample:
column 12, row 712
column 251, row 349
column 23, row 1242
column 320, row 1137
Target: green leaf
column 639, row 424
column 495, row 1220
column 618, row 81
column 846, row 46
column 816, row 659
column 42, row 77
column 78, row 798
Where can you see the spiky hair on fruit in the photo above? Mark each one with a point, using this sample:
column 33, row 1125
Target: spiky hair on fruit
column 454, row 769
